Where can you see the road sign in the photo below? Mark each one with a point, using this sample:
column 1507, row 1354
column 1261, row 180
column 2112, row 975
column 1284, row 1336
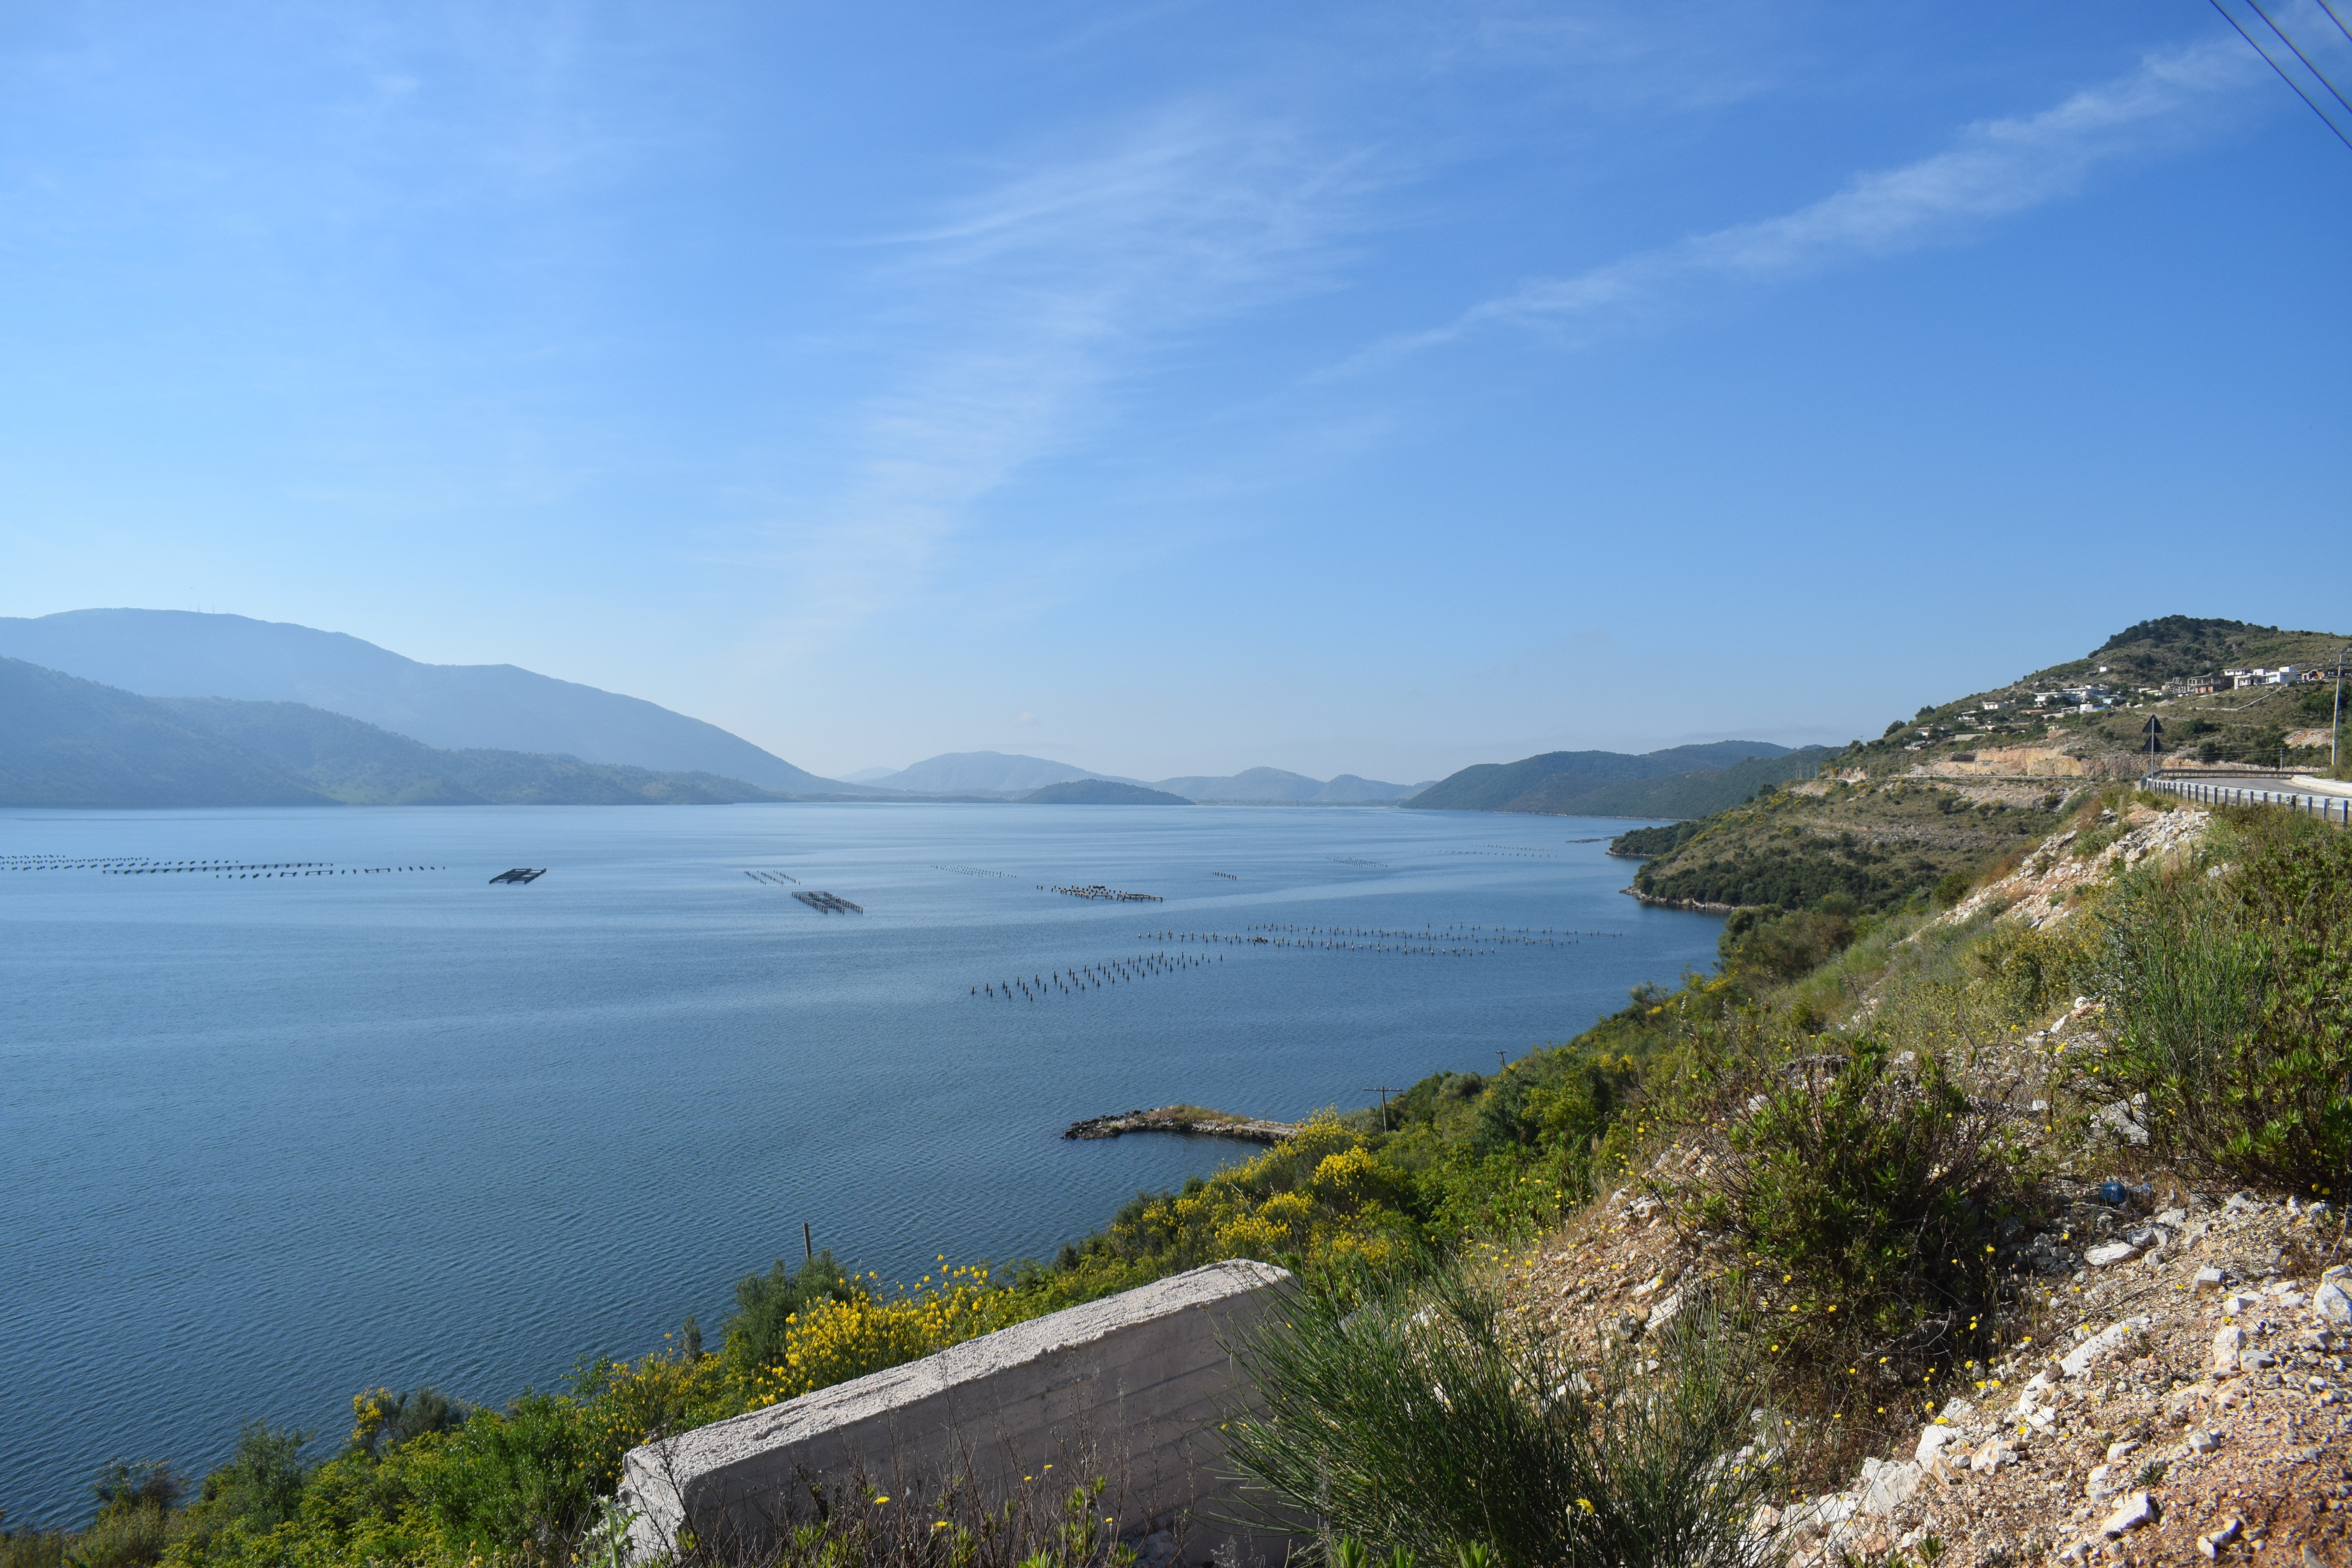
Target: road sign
column 2153, row 727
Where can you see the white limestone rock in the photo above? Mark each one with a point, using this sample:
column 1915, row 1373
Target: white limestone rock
column 2332, row 1304
column 2137, row 1511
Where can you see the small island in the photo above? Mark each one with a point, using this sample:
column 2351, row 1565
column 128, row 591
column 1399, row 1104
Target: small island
column 1101, row 792
column 1198, row 1120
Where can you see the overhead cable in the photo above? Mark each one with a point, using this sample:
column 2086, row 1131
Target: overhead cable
column 2306, row 59
column 2284, row 77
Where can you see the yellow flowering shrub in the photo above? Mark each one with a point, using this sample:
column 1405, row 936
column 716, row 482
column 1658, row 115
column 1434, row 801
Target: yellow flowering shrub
column 831, row 1341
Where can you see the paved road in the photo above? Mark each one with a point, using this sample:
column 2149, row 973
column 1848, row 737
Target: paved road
column 2256, row 789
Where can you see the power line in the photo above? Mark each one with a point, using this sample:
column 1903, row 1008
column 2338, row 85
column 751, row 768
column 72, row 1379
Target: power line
column 2334, row 18
column 2306, row 98
column 2306, row 59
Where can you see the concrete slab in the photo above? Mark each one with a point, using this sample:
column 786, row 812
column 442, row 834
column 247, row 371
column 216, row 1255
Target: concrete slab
column 1130, row 1387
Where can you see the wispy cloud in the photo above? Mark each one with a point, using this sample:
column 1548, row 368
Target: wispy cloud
column 1992, row 170
column 1028, row 303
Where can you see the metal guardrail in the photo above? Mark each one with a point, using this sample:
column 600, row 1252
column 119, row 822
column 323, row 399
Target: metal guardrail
column 2325, row 807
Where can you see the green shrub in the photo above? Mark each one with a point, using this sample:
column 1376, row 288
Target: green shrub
column 522, row 1482
column 124, row 1538
column 756, row 1330
column 1421, row 1417
column 1874, row 1192
column 260, row 1488
column 32, row 1549
column 382, row 1420
column 1780, row 947
column 2033, row 972
column 2226, row 1005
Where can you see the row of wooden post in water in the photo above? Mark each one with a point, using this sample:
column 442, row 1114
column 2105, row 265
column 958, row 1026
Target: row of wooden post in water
column 1093, row 977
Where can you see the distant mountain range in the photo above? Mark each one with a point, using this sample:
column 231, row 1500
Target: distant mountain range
column 1680, row 782
column 120, row 708
column 179, row 653
column 74, row 743
column 1014, row 776
column 1272, row 786
column 983, row 773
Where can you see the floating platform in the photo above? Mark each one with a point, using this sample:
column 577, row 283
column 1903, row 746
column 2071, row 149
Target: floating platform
column 828, row 904
column 519, row 875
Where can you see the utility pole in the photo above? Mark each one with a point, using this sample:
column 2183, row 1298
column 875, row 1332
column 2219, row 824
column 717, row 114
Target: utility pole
column 1383, row 1090
column 2335, row 724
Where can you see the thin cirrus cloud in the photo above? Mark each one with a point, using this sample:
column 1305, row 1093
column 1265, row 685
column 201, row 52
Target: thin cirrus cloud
column 1992, row 170
column 1023, row 307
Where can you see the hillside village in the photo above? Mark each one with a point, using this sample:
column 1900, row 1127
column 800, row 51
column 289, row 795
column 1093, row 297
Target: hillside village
column 2270, row 706
column 1920, row 814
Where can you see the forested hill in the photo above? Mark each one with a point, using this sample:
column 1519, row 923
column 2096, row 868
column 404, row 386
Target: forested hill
column 1681, row 780
column 76, row 743
column 1101, row 792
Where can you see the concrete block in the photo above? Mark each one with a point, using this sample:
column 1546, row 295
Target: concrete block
column 1131, row 1387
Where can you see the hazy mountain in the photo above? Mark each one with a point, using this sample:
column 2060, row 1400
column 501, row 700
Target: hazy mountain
column 1542, row 783
column 986, row 773
column 77, row 743
column 73, row 742
column 1349, row 789
column 1101, row 792
column 178, row 653
column 359, row 764
column 1272, row 786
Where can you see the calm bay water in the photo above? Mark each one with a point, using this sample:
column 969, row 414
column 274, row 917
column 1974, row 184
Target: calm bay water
column 271, row 1141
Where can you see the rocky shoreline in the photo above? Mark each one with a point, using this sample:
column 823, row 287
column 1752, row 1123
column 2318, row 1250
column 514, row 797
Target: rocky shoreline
column 1190, row 1118
column 1694, row 904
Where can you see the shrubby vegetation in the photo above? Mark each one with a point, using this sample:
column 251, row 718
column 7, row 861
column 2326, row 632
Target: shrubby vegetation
column 1646, row 841
column 1856, row 1169
column 1425, row 1418
column 2226, row 1001
column 1883, row 849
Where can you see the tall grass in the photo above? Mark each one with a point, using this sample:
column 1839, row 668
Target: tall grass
column 1061, row 1514
column 1424, row 1418
column 2229, row 990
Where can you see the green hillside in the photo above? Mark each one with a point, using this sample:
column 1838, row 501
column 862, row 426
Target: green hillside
column 1868, row 846
column 1677, row 794
column 1946, row 794
column 1538, row 783
column 74, row 743
column 2268, row 726
column 1101, row 792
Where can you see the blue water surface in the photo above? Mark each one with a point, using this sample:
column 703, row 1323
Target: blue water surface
column 274, row 1140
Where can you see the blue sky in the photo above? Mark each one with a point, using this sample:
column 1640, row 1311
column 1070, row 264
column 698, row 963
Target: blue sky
column 1179, row 388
